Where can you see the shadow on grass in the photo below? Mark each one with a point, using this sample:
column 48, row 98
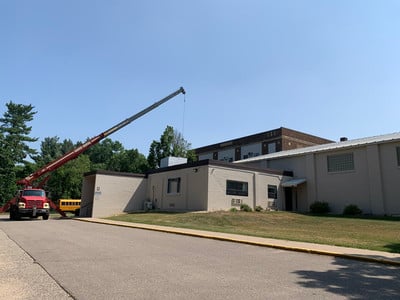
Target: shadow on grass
column 354, row 280
column 359, row 217
column 393, row 248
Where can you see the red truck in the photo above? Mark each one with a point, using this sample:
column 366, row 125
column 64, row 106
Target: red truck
column 30, row 202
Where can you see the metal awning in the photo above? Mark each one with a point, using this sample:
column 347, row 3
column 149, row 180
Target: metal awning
column 293, row 182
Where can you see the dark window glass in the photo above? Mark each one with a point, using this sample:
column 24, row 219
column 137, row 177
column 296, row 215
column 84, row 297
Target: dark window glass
column 272, row 192
column 174, row 185
column 398, row 156
column 238, row 188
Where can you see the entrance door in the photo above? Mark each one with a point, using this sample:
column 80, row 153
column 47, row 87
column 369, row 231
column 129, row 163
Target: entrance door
column 288, row 199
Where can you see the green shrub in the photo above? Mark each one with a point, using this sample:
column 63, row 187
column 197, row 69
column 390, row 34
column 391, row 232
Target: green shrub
column 233, row 209
column 258, row 208
column 352, row 209
column 245, row 207
column 319, row 207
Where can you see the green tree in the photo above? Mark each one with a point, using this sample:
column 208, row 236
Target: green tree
column 129, row 161
column 171, row 143
column 50, row 149
column 102, row 153
column 66, row 181
column 14, row 146
column 7, row 173
column 16, row 132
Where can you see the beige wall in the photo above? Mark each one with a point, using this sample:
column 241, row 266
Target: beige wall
column 374, row 184
column 217, row 198
column 298, row 165
column 261, row 183
column 257, row 188
column 390, row 178
column 112, row 194
column 193, row 189
column 87, row 196
column 203, row 188
column 343, row 188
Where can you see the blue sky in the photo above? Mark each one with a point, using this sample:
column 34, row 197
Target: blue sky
column 328, row 68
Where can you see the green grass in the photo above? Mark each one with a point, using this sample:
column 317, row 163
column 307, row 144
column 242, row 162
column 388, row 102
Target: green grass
column 382, row 234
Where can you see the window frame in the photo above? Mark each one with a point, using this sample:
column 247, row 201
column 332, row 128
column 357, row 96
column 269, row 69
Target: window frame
column 272, row 194
column 170, row 190
column 398, row 155
column 236, row 191
column 339, row 163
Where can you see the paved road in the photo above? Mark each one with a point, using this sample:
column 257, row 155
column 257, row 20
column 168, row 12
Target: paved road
column 95, row 261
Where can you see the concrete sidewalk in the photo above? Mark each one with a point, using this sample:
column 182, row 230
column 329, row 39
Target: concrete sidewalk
column 351, row 253
column 19, row 273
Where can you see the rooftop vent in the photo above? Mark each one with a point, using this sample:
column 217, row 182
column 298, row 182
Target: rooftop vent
column 343, row 139
column 172, row 161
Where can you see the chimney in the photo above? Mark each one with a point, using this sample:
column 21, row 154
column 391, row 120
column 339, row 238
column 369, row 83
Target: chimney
column 343, row 139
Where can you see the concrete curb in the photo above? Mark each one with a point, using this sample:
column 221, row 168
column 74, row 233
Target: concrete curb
column 279, row 244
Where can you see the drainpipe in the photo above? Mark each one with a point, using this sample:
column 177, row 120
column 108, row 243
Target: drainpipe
column 254, row 191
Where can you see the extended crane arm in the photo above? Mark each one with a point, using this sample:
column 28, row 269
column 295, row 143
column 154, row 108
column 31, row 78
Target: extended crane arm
column 77, row 151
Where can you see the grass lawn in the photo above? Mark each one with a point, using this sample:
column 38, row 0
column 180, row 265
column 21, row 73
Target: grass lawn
column 373, row 233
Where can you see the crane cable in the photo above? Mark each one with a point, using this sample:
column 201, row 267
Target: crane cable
column 183, row 116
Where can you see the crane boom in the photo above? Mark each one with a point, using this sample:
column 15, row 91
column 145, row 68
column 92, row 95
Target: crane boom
column 27, row 181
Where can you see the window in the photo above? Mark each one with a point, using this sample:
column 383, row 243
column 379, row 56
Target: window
column 34, row 193
column 238, row 188
column 226, row 158
column 271, row 147
column 398, row 155
column 340, row 162
column 272, row 192
column 174, row 185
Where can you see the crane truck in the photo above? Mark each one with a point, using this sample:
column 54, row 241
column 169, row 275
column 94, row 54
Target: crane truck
column 31, row 201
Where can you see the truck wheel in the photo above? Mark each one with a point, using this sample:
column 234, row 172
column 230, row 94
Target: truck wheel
column 45, row 217
column 17, row 216
column 12, row 216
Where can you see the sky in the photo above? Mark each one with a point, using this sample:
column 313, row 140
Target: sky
column 327, row 68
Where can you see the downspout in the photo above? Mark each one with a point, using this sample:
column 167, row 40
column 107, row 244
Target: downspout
column 254, row 191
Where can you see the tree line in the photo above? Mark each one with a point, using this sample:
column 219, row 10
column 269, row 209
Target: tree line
column 18, row 159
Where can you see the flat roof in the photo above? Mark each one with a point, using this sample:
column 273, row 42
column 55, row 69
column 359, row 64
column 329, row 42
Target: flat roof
column 192, row 165
column 220, row 164
column 113, row 173
column 379, row 139
column 262, row 136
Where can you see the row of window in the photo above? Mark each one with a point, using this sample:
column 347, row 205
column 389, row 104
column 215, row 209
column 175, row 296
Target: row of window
column 233, row 187
column 70, row 203
column 336, row 163
column 241, row 188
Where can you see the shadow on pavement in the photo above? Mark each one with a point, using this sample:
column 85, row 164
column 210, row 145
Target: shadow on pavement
column 355, row 280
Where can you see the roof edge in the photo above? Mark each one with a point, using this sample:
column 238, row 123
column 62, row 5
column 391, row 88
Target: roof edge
column 218, row 163
column 113, row 173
